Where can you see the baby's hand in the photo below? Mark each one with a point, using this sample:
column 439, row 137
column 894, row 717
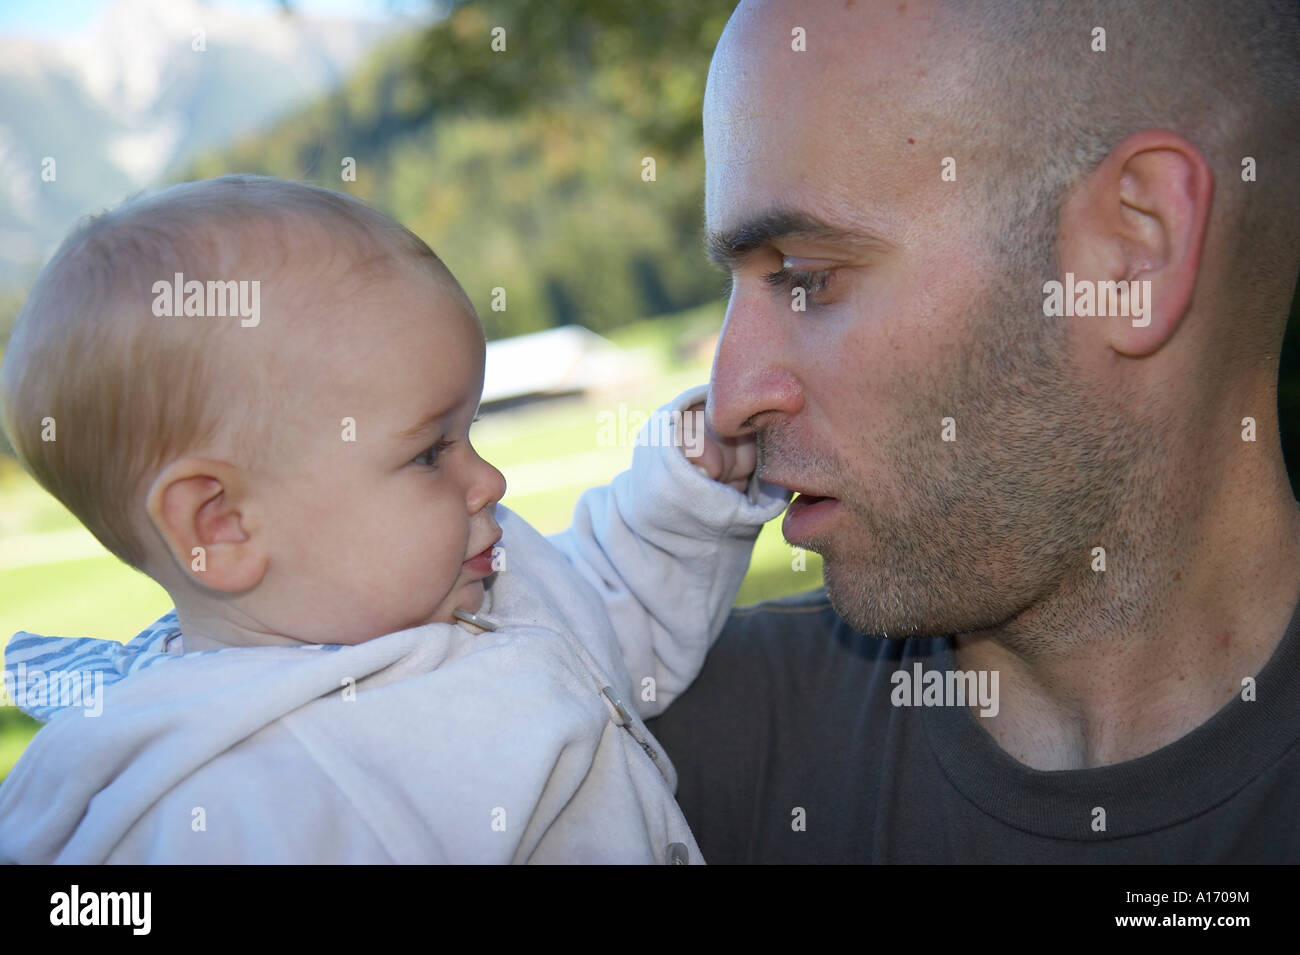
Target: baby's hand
column 729, row 461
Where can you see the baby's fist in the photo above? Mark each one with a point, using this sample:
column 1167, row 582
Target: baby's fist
column 729, row 461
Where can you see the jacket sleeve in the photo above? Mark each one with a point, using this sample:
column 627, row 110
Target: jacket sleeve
column 666, row 548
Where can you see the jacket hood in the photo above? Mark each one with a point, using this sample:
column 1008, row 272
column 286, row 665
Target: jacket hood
column 82, row 783
column 46, row 676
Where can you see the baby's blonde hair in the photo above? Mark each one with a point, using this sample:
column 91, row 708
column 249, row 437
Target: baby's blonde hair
column 121, row 391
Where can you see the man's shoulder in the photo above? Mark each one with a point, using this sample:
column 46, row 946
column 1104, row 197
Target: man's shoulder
column 792, row 704
column 809, row 614
column 800, row 628
column 806, row 603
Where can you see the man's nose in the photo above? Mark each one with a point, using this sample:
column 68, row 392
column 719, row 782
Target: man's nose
column 753, row 373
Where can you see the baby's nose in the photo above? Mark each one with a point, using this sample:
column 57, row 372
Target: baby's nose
column 489, row 487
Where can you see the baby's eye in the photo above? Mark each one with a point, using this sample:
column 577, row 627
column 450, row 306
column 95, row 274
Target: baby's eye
column 429, row 457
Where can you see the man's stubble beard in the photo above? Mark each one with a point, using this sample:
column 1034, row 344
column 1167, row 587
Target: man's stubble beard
column 974, row 533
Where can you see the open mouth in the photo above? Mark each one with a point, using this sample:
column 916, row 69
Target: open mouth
column 807, row 500
column 481, row 563
column 808, row 515
column 803, row 501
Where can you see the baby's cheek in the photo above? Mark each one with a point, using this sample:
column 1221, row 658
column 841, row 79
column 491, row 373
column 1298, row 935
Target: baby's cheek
column 443, row 540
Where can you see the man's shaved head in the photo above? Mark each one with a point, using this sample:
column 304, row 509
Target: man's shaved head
column 1046, row 108
column 918, row 171
column 1017, row 91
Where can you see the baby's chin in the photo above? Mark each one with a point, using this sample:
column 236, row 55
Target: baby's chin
column 469, row 599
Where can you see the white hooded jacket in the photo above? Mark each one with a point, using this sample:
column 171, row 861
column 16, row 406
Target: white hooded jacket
column 439, row 743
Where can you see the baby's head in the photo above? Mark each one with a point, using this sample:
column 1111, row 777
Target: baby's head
column 288, row 455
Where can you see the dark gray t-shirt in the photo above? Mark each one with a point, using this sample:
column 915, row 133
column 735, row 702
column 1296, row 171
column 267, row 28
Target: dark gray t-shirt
column 791, row 723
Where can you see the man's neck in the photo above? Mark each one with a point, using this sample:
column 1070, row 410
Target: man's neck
column 1088, row 679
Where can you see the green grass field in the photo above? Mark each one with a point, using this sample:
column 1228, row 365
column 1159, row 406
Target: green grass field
column 56, row 579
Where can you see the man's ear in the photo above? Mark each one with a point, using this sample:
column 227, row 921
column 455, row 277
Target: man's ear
column 1140, row 217
column 195, row 505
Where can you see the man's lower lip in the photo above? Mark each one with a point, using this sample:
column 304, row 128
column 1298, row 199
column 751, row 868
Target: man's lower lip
column 808, row 516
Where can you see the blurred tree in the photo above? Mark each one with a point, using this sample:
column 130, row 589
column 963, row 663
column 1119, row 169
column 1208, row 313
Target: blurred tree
column 522, row 166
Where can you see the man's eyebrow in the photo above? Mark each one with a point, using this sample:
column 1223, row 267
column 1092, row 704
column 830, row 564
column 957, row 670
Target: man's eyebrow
column 728, row 247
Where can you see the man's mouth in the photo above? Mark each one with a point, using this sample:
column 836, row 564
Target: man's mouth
column 808, row 516
column 806, row 494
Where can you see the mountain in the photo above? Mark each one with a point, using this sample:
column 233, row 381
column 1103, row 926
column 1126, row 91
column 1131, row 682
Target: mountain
column 139, row 91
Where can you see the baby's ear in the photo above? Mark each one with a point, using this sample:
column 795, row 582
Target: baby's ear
column 194, row 506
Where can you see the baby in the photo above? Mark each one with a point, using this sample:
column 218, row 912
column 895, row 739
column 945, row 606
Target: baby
column 260, row 393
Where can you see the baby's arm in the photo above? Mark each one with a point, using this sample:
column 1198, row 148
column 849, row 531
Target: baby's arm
column 667, row 548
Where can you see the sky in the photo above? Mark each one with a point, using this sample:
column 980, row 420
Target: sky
column 52, row 18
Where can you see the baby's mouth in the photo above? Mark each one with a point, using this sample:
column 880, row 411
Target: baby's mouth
column 481, row 563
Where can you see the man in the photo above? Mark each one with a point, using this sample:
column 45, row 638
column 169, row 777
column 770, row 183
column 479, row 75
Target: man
column 1068, row 527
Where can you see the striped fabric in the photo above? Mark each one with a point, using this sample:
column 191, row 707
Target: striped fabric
column 86, row 654
column 29, row 653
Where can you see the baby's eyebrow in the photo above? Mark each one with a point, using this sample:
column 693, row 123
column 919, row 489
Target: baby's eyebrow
column 423, row 425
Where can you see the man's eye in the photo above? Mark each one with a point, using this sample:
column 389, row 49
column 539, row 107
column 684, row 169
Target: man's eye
column 789, row 279
column 429, row 457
